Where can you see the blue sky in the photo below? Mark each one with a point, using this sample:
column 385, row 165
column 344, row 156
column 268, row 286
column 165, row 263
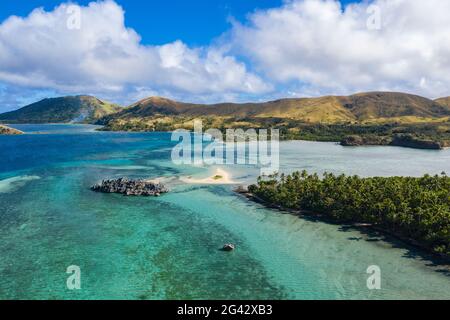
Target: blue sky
column 195, row 22
column 222, row 50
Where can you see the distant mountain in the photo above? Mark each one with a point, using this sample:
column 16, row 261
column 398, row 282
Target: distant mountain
column 315, row 109
column 73, row 109
column 159, row 113
column 363, row 107
column 4, row 130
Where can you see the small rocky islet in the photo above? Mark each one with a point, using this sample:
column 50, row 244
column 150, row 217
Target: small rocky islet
column 129, row 187
column 397, row 140
column 4, row 130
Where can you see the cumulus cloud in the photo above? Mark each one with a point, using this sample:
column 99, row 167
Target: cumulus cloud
column 303, row 48
column 318, row 46
column 47, row 50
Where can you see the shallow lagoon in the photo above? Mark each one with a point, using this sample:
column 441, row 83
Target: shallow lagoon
column 139, row 248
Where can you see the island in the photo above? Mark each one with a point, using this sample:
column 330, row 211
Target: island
column 4, row 130
column 398, row 140
column 130, row 187
column 415, row 210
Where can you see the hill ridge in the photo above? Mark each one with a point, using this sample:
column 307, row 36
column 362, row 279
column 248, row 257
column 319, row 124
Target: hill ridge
column 376, row 106
column 359, row 107
column 68, row 109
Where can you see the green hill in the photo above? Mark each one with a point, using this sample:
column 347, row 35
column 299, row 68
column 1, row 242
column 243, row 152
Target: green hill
column 372, row 107
column 444, row 102
column 365, row 118
column 391, row 105
column 73, row 109
column 364, row 107
column 313, row 109
column 377, row 118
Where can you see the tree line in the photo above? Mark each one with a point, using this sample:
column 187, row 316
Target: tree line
column 415, row 208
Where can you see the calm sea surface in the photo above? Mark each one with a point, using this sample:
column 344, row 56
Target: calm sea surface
column 167, row 247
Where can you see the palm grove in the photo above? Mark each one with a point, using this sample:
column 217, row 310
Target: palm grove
column 414, row 208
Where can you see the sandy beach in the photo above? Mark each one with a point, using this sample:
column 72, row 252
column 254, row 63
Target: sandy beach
column 220, row 176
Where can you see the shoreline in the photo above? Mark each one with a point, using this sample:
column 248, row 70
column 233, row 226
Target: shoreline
column 444, row 260
column 418, row 144
column 9, row 131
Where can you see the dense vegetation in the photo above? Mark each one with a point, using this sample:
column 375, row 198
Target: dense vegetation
column 433, row 135
column 414, row 208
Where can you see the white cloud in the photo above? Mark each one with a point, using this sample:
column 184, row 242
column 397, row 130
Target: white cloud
column 303, row 48
column 319, row 46
column 106, row 57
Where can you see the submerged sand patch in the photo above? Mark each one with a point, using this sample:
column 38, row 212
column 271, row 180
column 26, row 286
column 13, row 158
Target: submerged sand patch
column 14, row 183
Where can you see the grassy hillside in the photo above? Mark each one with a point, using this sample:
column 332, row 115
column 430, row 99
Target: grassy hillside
column 76, row 109
column 386, row 118
column 444, row 102
column 361, row 108
column 387, row 105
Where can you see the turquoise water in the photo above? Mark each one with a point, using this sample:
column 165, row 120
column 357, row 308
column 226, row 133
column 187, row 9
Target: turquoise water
column 167, row 248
